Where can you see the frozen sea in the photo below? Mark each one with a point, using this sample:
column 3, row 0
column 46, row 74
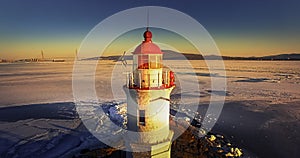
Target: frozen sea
column 38, row 117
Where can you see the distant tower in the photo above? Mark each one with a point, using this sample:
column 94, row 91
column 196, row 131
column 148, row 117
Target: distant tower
column 76, row 54
column 42, row 53
column 148, row 91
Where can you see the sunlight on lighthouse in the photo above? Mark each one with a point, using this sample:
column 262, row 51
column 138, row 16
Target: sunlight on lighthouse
column 148, row 89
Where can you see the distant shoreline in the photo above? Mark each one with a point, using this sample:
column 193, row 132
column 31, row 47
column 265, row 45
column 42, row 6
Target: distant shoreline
column 172, row 55
column 115, row 58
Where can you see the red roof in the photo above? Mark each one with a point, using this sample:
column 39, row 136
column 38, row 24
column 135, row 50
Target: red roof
column 147, row 47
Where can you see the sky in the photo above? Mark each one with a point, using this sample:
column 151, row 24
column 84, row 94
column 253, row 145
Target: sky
column 161, row 37
column 239, row 27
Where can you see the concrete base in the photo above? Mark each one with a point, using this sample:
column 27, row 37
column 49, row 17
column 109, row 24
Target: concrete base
column 159, row 150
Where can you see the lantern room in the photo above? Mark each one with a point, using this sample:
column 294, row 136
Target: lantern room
column 148, row 71
column 147, row 55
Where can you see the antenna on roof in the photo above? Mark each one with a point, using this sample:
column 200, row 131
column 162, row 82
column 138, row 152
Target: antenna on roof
column 147, row 19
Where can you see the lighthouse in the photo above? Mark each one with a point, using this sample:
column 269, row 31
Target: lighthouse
column 148, row 87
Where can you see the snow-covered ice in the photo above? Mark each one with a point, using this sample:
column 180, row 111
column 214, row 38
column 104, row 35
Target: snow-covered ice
column 38, row 118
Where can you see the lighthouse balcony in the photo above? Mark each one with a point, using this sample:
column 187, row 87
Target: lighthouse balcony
column 151, row 79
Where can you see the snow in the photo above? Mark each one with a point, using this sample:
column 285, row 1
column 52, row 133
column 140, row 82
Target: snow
column 38, row 118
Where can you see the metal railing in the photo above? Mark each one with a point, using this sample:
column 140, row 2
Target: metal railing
column 140, row 80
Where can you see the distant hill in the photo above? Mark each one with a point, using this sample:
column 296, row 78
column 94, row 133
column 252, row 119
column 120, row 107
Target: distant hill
column 169, row 55
column 282, row 57
column 173, row 55
column 114, row 57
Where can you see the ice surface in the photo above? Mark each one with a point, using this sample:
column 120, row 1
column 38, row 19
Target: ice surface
column 28, row 83
column 262, row 97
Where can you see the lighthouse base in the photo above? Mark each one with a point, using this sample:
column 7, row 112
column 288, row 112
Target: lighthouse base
column 158, row 150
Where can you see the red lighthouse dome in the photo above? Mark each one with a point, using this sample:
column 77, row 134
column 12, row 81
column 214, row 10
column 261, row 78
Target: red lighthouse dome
column 147, row 47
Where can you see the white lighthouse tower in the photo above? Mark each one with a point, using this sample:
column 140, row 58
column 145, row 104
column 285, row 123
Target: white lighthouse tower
column 148, row 91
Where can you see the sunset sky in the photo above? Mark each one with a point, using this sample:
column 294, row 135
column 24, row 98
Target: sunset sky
column 239, row 27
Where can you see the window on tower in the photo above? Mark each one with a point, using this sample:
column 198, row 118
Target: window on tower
column 142, row 117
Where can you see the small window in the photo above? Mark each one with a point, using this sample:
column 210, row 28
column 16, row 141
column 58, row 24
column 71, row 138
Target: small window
column 142, row 117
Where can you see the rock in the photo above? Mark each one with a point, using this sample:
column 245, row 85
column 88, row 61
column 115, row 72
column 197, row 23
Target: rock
column 212, row 138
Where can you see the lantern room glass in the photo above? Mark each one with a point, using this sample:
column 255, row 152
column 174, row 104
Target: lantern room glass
column 147, row 61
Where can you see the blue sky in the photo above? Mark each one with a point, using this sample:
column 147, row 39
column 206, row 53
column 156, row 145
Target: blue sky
column 239, row 27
